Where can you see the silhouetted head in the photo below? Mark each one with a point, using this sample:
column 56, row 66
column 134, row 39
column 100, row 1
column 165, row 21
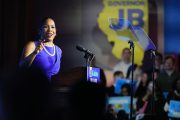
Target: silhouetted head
column 88, row 99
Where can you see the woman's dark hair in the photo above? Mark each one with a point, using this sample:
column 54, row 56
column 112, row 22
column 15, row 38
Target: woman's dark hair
column 43, row 21
column 122, row 115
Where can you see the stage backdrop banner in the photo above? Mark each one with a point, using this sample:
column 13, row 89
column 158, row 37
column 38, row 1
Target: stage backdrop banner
column 171, row 27
column 136, row 11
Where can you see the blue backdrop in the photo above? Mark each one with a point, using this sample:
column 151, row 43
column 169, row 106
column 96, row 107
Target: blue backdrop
column 172, row 26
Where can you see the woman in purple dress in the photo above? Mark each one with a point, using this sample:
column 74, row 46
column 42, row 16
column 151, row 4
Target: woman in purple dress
column 43, row 54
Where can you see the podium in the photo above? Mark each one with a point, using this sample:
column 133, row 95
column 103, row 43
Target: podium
column 72, row 76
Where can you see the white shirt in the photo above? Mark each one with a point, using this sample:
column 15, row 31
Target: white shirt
column 122, row 66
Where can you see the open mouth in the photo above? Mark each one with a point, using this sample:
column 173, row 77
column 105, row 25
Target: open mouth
column 49, row 34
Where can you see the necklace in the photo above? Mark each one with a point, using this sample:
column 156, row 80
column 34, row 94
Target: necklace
column 48, row 51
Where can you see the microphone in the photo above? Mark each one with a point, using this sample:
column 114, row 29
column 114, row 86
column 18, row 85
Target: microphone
column 82, row 49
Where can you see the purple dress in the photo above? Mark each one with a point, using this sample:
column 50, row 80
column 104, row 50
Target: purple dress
column 48, row 60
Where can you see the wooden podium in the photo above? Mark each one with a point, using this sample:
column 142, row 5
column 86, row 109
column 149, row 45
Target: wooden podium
column 69, row 78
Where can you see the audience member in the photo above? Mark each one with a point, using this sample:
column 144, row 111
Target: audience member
column 125, row 62
column 122, row 115
column 88, row 101
column 151, row 107
column 173, row 95
column 167, row 75
column 118, row 75
column 125, row 90
column 142, row 85
column 158, row 61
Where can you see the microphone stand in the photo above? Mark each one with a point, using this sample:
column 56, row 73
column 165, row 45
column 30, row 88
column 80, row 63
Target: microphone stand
column 132, row 71
column 153, row 55
column 88, row 58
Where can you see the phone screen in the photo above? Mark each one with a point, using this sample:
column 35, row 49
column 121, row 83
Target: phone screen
column 93, row 74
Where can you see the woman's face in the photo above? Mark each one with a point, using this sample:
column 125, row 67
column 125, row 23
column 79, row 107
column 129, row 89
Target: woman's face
column 125, row 91
column 48, row 30
column 144, row 77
